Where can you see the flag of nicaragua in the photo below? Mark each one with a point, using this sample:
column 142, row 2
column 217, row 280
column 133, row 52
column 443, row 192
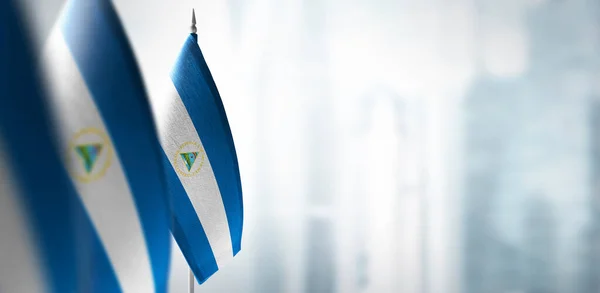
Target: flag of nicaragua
column 201, row 165
column 36, row 235
column 109, row 145
column 44, row 232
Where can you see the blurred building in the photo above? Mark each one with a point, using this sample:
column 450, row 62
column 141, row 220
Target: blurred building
column 389, row 197
column 487, row 254
column 521, row 133
column 313, row 84
column 590, row 239
column 564, row 65
column 541, row 270
column 296, row 151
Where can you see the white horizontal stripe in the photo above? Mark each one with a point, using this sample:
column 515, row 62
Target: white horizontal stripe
column 20, row 270
column 107, row 199
column 175, row 129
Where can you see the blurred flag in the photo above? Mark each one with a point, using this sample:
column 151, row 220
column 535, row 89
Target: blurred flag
column 42, row 223
column 201, row 165
column 107, row 138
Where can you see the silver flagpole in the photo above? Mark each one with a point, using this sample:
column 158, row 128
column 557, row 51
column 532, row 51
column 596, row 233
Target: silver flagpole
column 193, row 27
column 191, row 282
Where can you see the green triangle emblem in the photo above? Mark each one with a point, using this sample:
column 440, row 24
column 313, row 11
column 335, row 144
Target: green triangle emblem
column 189, row 159
column 89, row 154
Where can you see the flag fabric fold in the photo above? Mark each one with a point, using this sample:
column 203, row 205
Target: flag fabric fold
column 34, row 239
column 201, row 166
column 108, row 143
column 45, row 233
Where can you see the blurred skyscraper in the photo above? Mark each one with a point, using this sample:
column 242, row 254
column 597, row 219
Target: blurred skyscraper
column 541, row 270
column 522, row 132
column 488, row 134
column 590, row 246
column 564, row 57
column 314, row 86
column 270, row 276
column 390, row 207
column 296, row 155
column 490, row 261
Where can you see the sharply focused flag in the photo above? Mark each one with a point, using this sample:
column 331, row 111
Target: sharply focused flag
column 109, row 145
column 201, row 165
column 44, row 234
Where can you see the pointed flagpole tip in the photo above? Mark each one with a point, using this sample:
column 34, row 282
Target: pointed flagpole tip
column 193, row 27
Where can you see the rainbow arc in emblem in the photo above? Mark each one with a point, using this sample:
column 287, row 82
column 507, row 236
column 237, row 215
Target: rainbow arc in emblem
column 89, row 155
column 189, row 159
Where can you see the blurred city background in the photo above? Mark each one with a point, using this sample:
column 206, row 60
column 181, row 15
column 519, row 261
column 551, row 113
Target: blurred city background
column 413, row 146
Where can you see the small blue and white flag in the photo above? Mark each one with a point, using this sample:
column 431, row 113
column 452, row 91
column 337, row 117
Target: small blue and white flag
column 109, row 145
column 201, row 165
column 44, row 233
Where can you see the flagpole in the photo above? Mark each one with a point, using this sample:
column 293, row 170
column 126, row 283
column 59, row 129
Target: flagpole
column 191, row 282
column 193, row 27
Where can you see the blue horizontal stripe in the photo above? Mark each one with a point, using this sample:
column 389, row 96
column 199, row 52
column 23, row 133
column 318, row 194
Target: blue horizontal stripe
column 210, row 82
column 100, row 48
column 199, row 101
column 188, row 230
